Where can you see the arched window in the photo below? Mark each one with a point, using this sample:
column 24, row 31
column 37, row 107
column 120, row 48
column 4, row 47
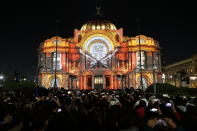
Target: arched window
column 42, row 60
column 143, row 59
column 59, row 66
column 57, row 42
column 141, row 40
column 52, row 83
column 144, row 82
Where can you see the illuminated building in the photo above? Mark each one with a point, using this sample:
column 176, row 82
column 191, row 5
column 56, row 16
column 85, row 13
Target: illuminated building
column 182, row 73
column 99, row 56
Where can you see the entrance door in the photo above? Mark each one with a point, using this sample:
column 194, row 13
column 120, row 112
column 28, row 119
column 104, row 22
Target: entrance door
column 89, row 82
column 107, row 83
column 98, row 82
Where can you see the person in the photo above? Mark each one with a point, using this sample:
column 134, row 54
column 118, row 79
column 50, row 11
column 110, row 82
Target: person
column 153, row 124
column 156, row 122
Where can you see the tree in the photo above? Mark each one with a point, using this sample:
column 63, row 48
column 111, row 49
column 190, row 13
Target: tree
column 165, row 88
column 22, row 87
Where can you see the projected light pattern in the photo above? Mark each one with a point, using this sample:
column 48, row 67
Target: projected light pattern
column 98, row 51
column 99, row 56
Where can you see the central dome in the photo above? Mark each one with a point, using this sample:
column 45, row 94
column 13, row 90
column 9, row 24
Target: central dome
column 98, row 25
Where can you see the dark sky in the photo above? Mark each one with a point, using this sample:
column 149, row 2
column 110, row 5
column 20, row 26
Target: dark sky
column 23, row 26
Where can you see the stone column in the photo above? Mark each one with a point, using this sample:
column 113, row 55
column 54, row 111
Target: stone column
column 104, row 82
column 112, row 82
column 159, row 61
column 82, row 82
column 115, row 80
column 85, row 82
column 133, row 63
column 92, row 81
column 66, row 81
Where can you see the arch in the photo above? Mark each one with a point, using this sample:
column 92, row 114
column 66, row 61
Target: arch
column 142, row 40
column 104, row 38
column 98, row 46
column 145, row 81
column 52, row 81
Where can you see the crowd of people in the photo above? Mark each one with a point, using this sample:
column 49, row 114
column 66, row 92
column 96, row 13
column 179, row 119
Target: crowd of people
column 97, row 110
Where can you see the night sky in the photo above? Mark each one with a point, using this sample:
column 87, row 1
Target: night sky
column 23, row 26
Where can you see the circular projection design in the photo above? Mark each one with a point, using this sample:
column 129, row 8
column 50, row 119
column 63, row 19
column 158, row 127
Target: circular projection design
column 98, row 50
column 98, row 47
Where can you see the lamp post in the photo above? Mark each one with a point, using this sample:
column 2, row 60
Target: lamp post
column 55, row 82
column 140, row 51
column 55, row 73
column 154, row 80
column 1, row 77
column 1, row 80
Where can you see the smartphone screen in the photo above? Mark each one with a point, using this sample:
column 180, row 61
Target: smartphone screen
column 156, row 100
column 168, row 105
column 153, row 110
column 161, row 122
column 59, row 110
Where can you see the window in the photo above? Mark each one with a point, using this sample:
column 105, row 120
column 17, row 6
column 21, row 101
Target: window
column 141, row 41
column 59, row 67
column 98, row 80
column 42, row 59
column 144, row 82
column 57, row 42
column 143, row 59
column 52, row 84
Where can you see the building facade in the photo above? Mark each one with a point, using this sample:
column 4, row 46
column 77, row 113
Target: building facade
column 99, row 56
column 182, row 73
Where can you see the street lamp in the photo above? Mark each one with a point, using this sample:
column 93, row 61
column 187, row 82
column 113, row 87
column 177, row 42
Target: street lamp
column 154, row 80
column 56, row 42
column 1, row 80
column 1, row 77
column 140, row 51
column 138, row 70
column 55, row 73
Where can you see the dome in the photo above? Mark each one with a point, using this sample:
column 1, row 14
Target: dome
column 98, row 25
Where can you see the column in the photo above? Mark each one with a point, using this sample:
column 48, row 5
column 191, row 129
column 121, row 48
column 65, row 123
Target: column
column 159, row 61
column 92, row 81
column 112, row 82
column 104, row 82
column 45, row 57
column 153, row 64
column 128, row 81
column 85, row 82
column 129, row 61
column 115, row 80
column 110, row 79
column 135, row 80
column 148, row 60
column 133, row 60
column 82, row 82
column 66, row 81
column 118, row 81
